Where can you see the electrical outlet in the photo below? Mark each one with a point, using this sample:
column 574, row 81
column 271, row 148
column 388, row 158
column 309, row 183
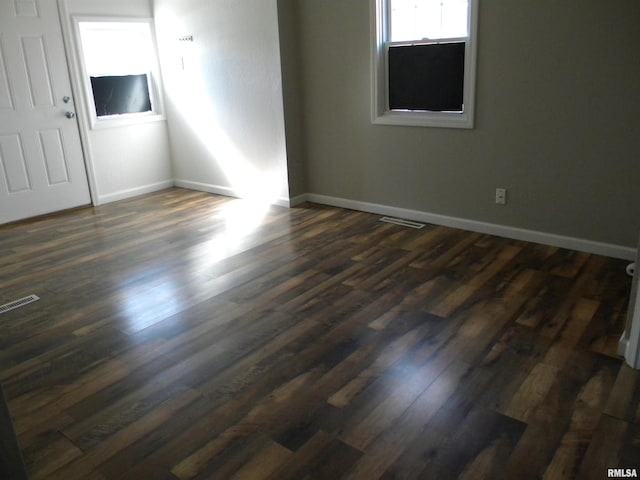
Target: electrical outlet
column 501, row 196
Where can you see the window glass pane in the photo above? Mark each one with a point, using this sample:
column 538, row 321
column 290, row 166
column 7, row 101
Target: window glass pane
column 121, row 94
column 428, row 19
column 112, row 48
column 427, row 77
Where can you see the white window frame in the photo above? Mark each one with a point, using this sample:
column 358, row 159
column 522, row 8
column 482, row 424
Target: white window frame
column 381, row 114
column 154, row 79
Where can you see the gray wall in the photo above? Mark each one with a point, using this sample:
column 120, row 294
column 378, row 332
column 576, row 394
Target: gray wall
column 557, row 108
column 293, row 97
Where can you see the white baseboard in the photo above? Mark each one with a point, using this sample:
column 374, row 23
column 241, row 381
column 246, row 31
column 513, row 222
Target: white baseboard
column 623, row 344
column 298, row 200
column 134, row 192
column 206, row 187
column 579, row 244
column 572, row 243
column 221, row 190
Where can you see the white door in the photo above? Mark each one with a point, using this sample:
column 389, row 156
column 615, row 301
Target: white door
column 41, row 163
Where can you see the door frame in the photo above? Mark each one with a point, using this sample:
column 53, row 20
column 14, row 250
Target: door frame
column 73, row 66
column 632, row 350
column 629, row 344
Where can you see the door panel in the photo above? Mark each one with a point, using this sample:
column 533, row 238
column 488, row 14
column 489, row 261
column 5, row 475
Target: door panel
column 5, row 95
column 42, row 166
column 26, row 8
column 53, row 152
column 38, row 78
column 14, row 165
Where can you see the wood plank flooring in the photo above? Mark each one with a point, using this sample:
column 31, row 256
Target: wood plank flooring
column 183, row 335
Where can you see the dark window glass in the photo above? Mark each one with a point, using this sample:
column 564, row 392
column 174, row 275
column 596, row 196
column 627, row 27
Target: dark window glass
column 427, row 77
column 117, row 95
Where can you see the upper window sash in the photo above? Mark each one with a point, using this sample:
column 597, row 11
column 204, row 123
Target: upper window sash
column 427, row 19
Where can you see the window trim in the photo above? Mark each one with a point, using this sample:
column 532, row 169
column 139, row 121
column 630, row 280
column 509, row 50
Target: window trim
column 380, row 113
column 154, row 79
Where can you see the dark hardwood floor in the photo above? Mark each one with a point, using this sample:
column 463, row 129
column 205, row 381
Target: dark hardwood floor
column 184, row 335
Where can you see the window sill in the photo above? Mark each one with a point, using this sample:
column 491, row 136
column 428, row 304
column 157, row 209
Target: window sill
column 125, row 120
column 425, row 119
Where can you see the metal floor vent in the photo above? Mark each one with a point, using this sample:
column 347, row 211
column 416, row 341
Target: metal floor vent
column 402, row 222
column 18, row 303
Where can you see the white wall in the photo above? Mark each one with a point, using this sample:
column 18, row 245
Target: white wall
column 224, row 96
column 128, row 160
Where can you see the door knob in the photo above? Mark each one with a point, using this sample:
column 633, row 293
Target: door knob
column 70, row 115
